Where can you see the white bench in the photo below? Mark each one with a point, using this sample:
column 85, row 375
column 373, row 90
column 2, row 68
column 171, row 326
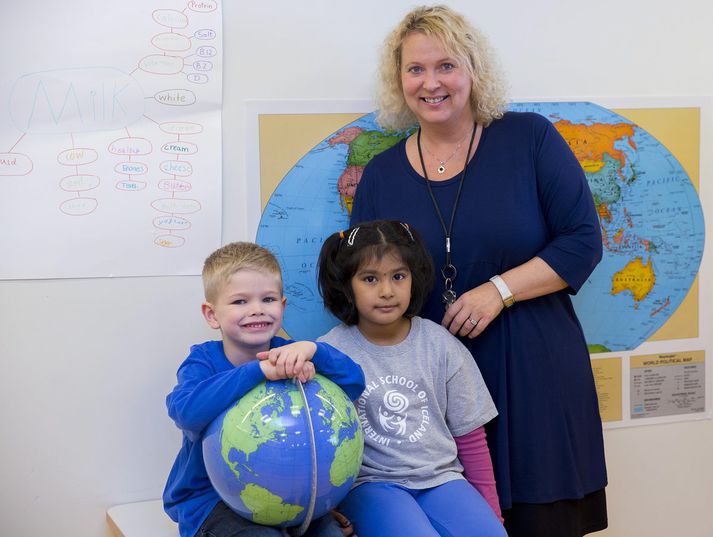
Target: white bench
column 141, row 519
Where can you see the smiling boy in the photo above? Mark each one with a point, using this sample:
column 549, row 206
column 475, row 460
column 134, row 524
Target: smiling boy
column 244, row 300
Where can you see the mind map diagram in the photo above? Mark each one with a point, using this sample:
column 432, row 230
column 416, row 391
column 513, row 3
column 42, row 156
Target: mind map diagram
column 127, row 131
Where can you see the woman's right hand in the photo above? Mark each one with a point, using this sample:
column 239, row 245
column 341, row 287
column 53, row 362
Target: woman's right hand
column 473, row 311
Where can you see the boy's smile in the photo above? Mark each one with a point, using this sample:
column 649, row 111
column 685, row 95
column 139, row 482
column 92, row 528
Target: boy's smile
column 248, row 311
column 257, row 325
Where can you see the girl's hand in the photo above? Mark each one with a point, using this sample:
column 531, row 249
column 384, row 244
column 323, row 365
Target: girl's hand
column 473, row 311
column 344, row 524
column 289, row 360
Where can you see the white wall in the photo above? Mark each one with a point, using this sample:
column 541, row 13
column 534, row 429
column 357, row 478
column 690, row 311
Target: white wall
column 86, row 363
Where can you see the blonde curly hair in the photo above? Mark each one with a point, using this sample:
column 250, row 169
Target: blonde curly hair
column 460, row 40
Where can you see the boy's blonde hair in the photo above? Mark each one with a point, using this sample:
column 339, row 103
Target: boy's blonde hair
column 461, row 40
column 229, row 259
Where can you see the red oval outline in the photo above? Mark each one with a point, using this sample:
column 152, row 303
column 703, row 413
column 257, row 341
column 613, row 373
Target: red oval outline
column 153, row 16
column 96, row 156
column 80, row 175
column 172, row 49
column 108, row 148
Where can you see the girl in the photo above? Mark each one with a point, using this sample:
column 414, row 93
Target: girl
column 425, row 402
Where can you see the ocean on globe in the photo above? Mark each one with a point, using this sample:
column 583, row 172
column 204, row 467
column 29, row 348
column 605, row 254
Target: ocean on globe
column 258, row 453
column 650, row 214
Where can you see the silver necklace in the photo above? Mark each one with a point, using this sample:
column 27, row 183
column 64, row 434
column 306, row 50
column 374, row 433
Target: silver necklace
column 442, row 168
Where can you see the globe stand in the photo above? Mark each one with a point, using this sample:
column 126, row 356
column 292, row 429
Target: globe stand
column 302, row 528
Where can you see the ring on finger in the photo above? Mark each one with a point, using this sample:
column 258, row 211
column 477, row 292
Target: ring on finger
column 473, row 321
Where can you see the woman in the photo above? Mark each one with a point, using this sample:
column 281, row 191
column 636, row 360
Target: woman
column 508, row 217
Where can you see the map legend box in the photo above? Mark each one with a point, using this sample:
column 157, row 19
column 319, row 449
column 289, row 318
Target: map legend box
column 668, row 384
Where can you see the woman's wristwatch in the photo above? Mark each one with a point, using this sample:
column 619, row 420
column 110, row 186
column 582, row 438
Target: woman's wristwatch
column 504, row 290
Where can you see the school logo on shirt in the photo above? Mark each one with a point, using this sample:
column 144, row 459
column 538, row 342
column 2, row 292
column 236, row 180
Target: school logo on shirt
column 393, row 408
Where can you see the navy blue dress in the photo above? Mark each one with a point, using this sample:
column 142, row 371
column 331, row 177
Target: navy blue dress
column 524, row 195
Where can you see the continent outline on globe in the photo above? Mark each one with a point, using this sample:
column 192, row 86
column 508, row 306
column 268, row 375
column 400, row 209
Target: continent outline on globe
column 258, row 452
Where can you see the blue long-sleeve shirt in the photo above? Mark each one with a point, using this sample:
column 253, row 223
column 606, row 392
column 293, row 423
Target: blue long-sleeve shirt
column 208, row 383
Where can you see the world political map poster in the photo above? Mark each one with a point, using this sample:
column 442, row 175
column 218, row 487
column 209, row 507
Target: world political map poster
column 643, row 167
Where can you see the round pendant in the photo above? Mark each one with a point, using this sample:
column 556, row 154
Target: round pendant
column 441, row 168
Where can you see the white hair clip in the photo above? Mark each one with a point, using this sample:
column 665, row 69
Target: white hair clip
column 352, row 236
column 408, row 230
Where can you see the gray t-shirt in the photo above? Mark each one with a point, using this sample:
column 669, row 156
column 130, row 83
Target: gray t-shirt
column 419, row 395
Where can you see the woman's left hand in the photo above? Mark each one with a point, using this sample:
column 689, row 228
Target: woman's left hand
column 473, row 311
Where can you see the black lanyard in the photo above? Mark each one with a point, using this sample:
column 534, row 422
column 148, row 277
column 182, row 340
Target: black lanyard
column 448, row 271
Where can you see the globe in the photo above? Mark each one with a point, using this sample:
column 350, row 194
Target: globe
column 259, row 452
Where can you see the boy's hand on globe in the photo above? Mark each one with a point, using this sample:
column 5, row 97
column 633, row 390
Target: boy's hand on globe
column 269, row 370
column 307, row 373
column 289, row 360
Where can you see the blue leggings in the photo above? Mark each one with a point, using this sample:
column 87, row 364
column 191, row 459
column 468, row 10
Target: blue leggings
column 454, row 509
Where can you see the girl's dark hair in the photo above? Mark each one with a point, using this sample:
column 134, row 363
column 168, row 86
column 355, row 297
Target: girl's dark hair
column 344, row 252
